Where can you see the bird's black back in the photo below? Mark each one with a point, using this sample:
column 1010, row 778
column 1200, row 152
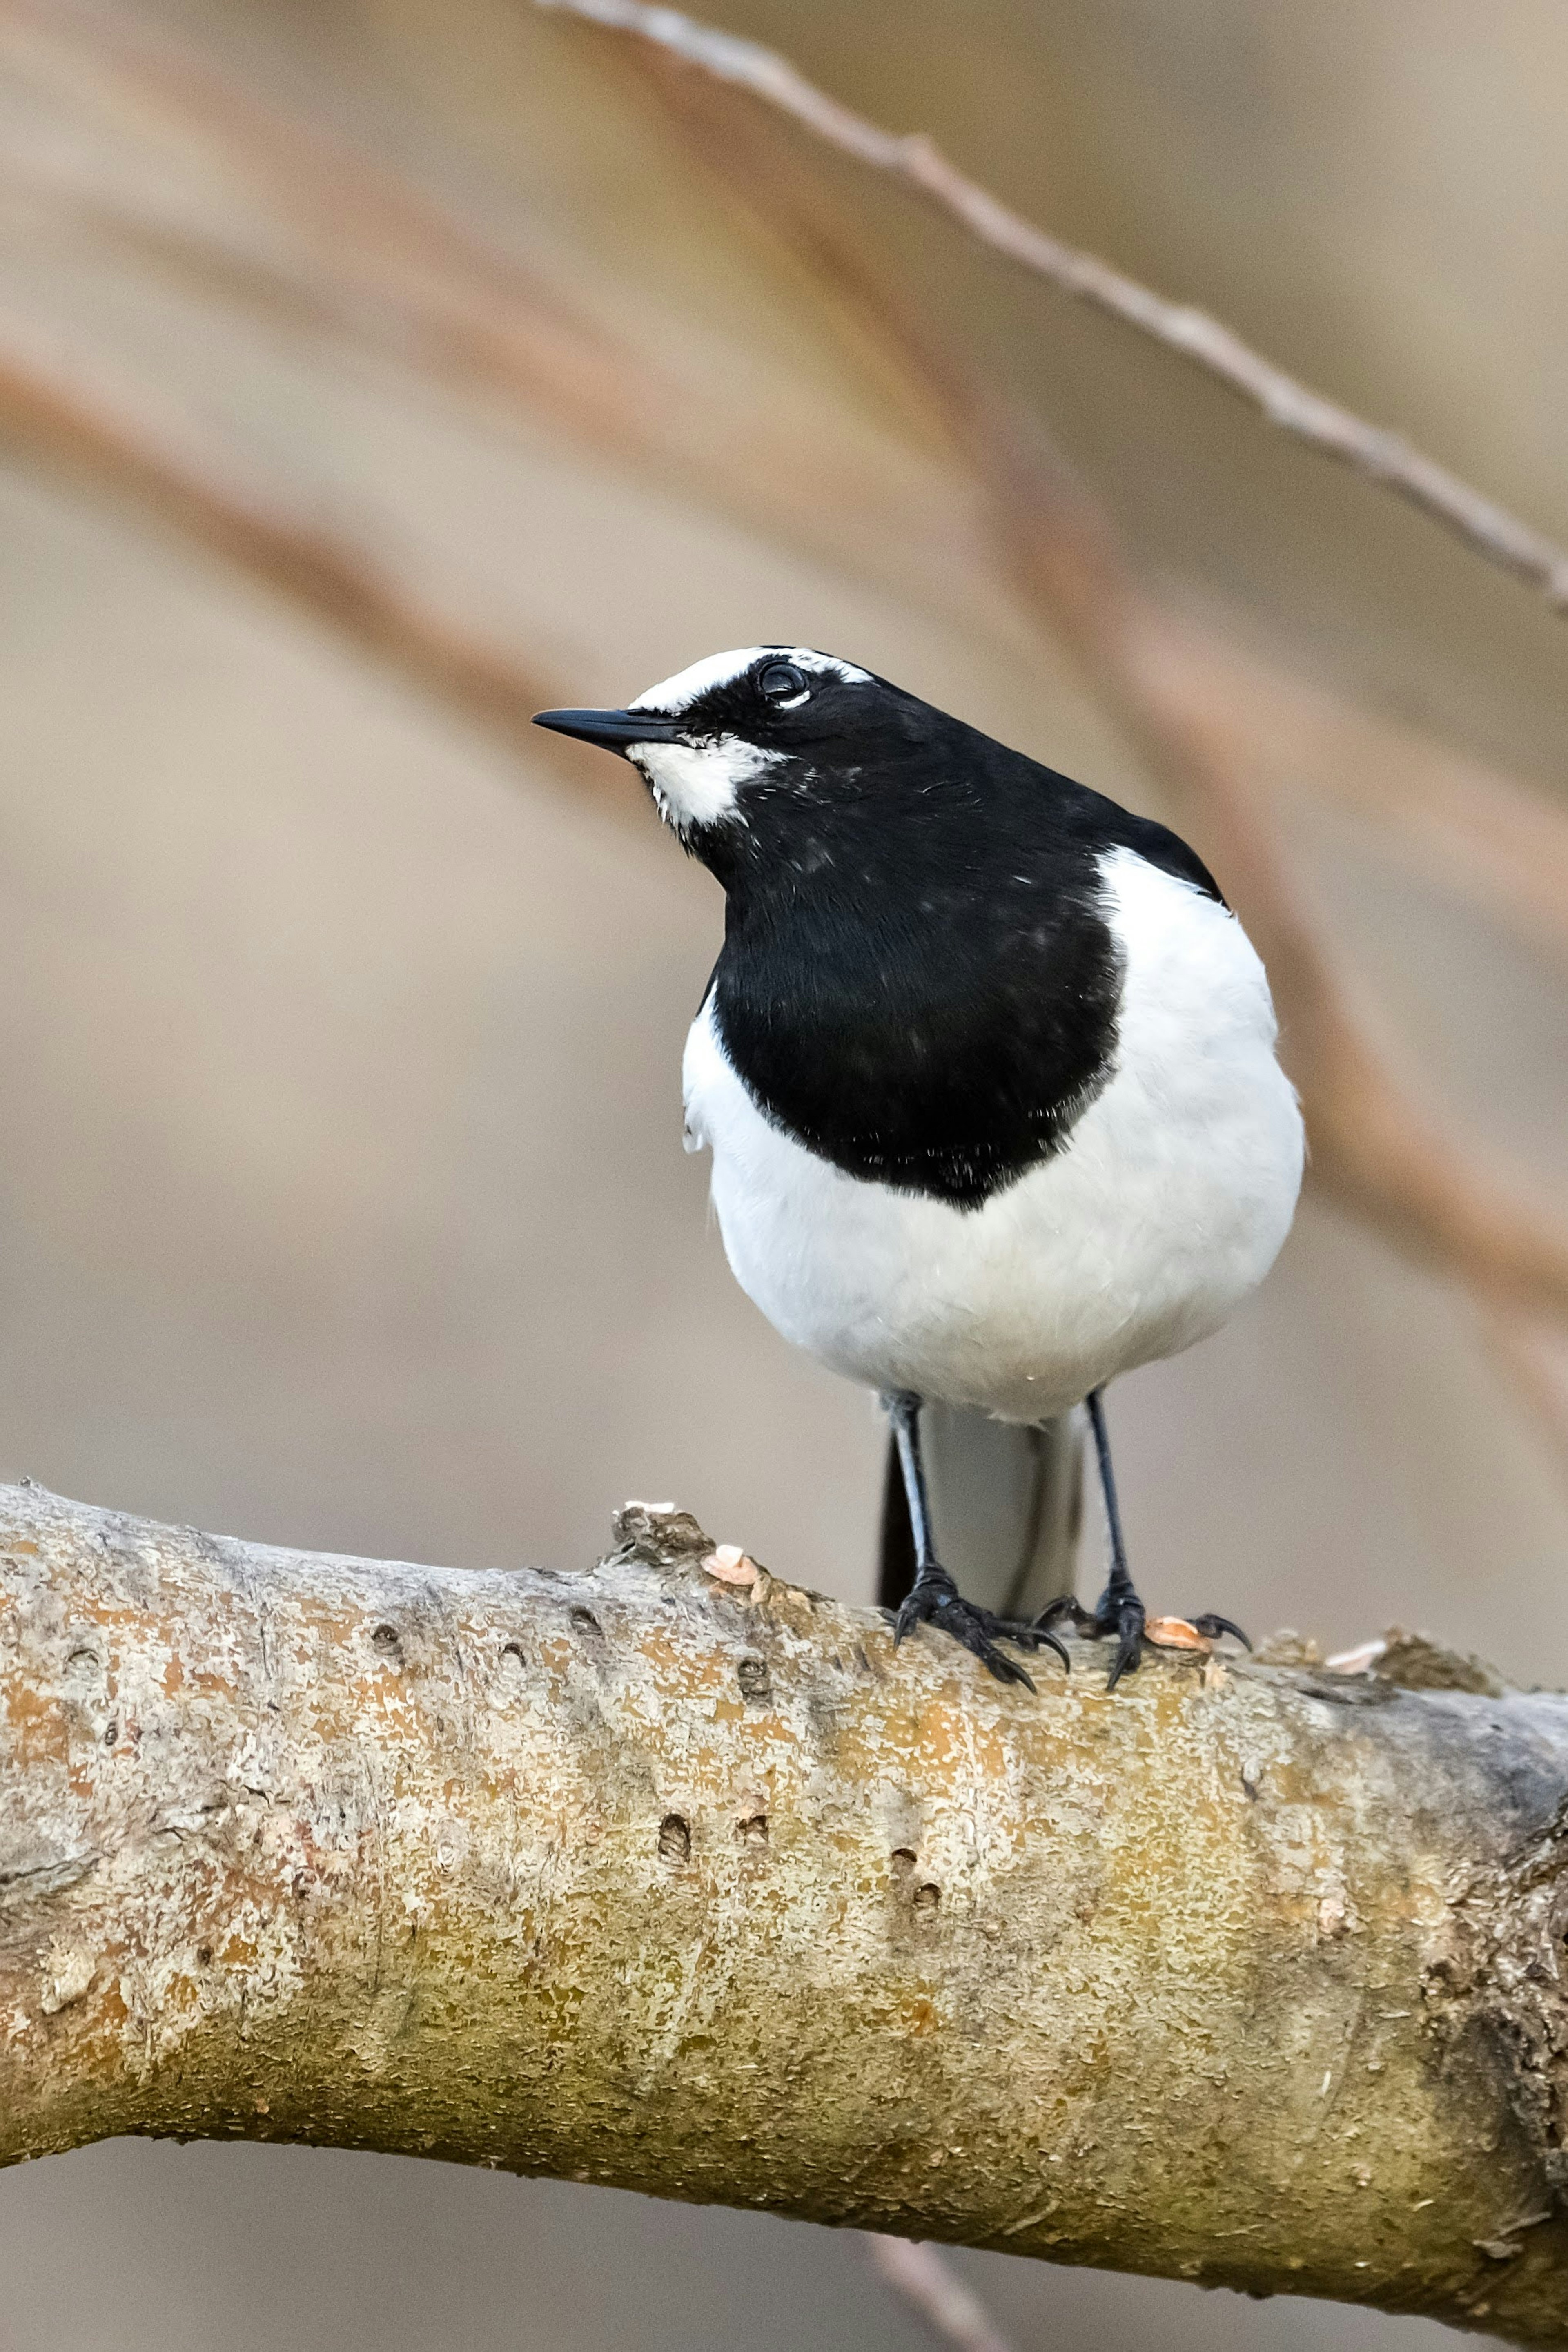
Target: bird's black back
column 918, row 980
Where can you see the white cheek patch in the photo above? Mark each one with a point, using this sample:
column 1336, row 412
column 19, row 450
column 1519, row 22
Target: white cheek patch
column 697, row 783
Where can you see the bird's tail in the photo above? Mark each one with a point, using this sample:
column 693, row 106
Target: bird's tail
column 1006, row 1501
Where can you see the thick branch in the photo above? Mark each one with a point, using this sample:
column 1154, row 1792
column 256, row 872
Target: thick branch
column 1371, row 450
column 697, row 1887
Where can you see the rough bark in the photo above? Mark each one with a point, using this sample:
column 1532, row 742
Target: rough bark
column 1248, row 1974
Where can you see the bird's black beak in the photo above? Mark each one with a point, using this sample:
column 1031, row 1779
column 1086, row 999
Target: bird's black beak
column 615, row 730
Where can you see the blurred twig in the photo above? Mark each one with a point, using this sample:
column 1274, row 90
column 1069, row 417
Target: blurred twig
column 47, row 412
column 1469, row 826
column 1371, row 1148
column 1380, row 456
column 330, row 238
column 929, row 2285
column 327, row 237
column 1532, row 1361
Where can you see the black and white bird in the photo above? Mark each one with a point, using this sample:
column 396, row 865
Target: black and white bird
column 985, row 1065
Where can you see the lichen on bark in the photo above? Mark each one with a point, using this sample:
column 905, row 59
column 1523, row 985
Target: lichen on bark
column 675, row 1875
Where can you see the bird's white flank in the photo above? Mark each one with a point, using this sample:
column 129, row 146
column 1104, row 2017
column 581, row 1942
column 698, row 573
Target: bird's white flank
column 1167, row 1208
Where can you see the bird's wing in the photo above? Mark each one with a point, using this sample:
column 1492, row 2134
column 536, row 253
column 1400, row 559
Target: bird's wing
column 1006, row 1507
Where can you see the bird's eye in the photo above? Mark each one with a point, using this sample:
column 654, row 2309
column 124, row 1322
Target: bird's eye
column 780, row 682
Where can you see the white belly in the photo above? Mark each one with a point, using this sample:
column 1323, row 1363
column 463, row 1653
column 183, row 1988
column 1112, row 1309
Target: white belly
column 1168, row 1205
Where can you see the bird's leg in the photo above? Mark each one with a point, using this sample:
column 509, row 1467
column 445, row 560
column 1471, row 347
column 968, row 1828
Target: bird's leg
column 934, row 1599
column 1119, row 1609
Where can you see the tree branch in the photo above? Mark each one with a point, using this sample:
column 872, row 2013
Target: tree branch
column 1378, row 455
column 930, row 2285
column 1445, row 813
column 694, row 1885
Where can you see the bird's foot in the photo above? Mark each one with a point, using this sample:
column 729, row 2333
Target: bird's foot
column 1120, row 1615
column 935, row 1600
column 1211, row 1627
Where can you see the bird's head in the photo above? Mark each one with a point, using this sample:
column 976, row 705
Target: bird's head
column 717, row 739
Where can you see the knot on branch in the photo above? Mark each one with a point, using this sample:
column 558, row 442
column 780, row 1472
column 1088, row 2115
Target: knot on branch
column 659, row 1534
column 1416, row 1662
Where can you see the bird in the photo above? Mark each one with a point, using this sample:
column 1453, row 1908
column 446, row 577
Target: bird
column 986, row 1066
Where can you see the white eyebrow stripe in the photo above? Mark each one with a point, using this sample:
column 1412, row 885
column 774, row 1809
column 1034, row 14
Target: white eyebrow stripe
column 805, row 657
column 673, row 694
column 676, row 694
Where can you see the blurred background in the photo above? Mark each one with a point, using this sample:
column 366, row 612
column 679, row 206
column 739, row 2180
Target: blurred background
column 372, row 371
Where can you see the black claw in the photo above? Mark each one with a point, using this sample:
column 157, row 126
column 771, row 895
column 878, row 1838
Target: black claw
column 1128, row 1627
column 1211, row 1627
column 1125, row 1619
column 1006, row 1669
column 934, row 1600
column 910, row 1614
column 1040, row 1639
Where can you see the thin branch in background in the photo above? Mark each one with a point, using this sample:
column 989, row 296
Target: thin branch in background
column 325, row 188
column 1372, row 1149
column 926, row 2280
column 88, row 435
column 1467, row 826
column 1534, row 1363
column 331, row 239
column 345, row 240
column 1377, row 455
column 400, row 276
column 398, row 273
